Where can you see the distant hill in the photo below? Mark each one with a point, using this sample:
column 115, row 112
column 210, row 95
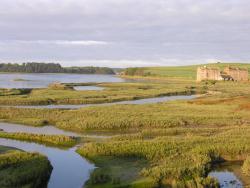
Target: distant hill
column 186, row 72
column 52, row 68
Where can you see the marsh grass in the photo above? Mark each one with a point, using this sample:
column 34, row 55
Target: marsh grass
column 114, row 92
column 178, row 141
column 52, row 140
column 22, row 169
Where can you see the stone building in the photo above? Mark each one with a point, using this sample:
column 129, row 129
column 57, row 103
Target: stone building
column 208, row 73
column 236, row 73
column 229, row 73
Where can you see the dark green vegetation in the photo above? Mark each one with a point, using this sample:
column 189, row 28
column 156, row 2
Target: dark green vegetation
column 118, row 172
column 9, row 92
column 54, row 140
column 52, row 68
column 180, row 72
column 64, row 94
column 22, row 169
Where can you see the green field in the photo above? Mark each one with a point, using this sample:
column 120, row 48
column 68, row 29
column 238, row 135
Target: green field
column 178, row 72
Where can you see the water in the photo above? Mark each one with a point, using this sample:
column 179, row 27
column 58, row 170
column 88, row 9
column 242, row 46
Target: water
column 227, row 179
column 69, row 168
column 229, row 175
column 139, row 101
column 41, row 80
column 48, row 130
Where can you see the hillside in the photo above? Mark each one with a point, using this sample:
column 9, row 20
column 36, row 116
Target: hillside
column 185, row 72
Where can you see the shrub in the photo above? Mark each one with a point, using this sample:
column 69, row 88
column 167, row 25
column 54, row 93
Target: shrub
column 98, row 177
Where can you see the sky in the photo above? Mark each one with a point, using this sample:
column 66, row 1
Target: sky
column 125, row 33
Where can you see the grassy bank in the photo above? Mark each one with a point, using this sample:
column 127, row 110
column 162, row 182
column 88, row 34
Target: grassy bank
column 113, row 92
column 22, row 169
column 52, row 140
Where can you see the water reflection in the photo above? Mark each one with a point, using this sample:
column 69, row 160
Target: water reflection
column 42, row 80
column 69, row 168
column 227, row 179
column 48, row 130
column 229, row 175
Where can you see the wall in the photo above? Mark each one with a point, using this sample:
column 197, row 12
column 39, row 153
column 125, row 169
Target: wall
column 237, row 74
column 204, row 73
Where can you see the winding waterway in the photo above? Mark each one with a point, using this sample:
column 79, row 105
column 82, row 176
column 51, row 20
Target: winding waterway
column 139, row 101
column 69, row 168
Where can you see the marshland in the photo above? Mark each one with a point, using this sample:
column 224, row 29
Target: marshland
column 179, row 142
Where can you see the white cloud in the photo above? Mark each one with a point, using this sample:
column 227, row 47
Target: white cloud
column 56, row 42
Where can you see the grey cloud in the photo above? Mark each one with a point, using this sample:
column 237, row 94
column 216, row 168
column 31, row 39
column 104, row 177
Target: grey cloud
column 153, row 32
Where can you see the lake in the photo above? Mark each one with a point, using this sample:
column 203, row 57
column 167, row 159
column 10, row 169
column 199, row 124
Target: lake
column 41, row 80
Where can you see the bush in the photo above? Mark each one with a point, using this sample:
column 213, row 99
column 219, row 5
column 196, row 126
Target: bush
column 98, row 177
column 59, row 86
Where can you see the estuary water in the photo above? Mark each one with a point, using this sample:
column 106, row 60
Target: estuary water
column 42, row 80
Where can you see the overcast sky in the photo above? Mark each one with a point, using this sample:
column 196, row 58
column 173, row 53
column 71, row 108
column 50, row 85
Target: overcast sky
column 121, row 33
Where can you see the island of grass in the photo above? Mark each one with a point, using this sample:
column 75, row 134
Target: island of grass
column 23, row 169
column 113, row 92
column 51, row 140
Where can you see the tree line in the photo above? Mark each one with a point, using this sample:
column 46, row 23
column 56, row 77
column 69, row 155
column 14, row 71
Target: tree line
column 34, row 67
